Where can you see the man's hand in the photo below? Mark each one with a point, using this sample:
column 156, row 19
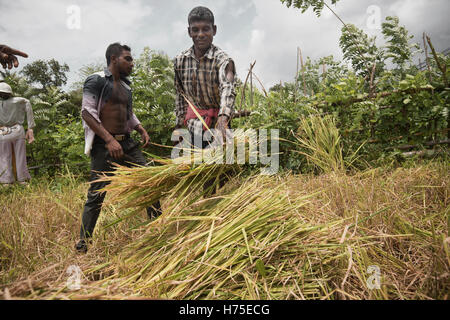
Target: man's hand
column 115, row 149
column 29, row 136
column 8, row 56
column 222, row 126
column 144, row 135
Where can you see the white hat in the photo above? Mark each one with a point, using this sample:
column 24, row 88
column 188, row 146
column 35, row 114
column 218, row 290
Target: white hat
column 5, row 88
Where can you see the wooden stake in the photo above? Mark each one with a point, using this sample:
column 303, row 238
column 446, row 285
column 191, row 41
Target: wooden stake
column 371, row 85
column 245, row 83
column 426, row 57
column 296, row 76
column 303, row 72
column 13, row 161
column 251, row 85
column 441, row 67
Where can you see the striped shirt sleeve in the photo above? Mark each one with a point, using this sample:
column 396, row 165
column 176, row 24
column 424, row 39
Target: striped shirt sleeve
column 180, row 104
column 227, row 91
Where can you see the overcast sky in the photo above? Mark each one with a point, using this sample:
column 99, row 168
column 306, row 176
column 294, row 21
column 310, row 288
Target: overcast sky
column 248, row 30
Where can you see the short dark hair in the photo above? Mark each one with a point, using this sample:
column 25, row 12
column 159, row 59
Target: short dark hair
column 201, row 14
column 115, row 49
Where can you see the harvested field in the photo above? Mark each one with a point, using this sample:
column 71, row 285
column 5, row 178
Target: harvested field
column 280, row 237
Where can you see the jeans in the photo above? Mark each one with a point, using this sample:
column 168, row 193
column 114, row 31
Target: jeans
column 101, row 163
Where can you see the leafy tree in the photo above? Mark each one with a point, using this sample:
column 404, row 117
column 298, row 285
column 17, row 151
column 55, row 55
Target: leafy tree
column 360, row 49
column 362, row 52
column 154, row 94
column 319, row 74
column 375, row 107
column 48, row 106
column 75, row 99
column 85, row 71
column 316, row 5
column 19, row 85
column 46, row 73
column 59, row 134
column 398, row 47
column 276, row 88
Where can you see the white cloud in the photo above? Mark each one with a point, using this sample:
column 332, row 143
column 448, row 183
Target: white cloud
column 261, row 30
column 277, row 32
column 257, row 38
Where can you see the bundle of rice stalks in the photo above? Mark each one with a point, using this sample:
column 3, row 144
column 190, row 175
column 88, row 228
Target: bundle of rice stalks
column 195, row 174
column 252, row 243
column 263, row 240
column 320, row 142
column 379, row 234
column 139, row 188
column 243, row 245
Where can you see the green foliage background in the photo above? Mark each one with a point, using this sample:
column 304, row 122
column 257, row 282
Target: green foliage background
column 376, row 107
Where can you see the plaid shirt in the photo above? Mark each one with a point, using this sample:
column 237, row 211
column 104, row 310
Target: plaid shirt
column 205, row 84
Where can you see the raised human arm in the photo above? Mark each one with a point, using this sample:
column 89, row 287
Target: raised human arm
column 227, row 96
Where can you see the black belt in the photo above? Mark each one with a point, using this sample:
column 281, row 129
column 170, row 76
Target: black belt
column 117, row 137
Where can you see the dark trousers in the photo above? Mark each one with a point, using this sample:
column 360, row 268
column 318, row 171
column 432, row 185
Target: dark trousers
column 101, row 162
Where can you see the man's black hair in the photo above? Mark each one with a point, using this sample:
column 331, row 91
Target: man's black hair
column 115, row 49
column 201, row 14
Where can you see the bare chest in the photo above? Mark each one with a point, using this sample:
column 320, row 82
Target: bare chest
column 114, row 112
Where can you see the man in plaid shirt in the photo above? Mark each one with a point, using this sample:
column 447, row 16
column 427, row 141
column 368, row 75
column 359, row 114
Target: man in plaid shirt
column 205, row 75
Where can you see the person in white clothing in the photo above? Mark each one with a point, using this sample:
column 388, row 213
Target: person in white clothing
column 12, row 135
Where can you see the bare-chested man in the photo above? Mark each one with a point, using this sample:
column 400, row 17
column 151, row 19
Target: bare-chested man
column 108, row 120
